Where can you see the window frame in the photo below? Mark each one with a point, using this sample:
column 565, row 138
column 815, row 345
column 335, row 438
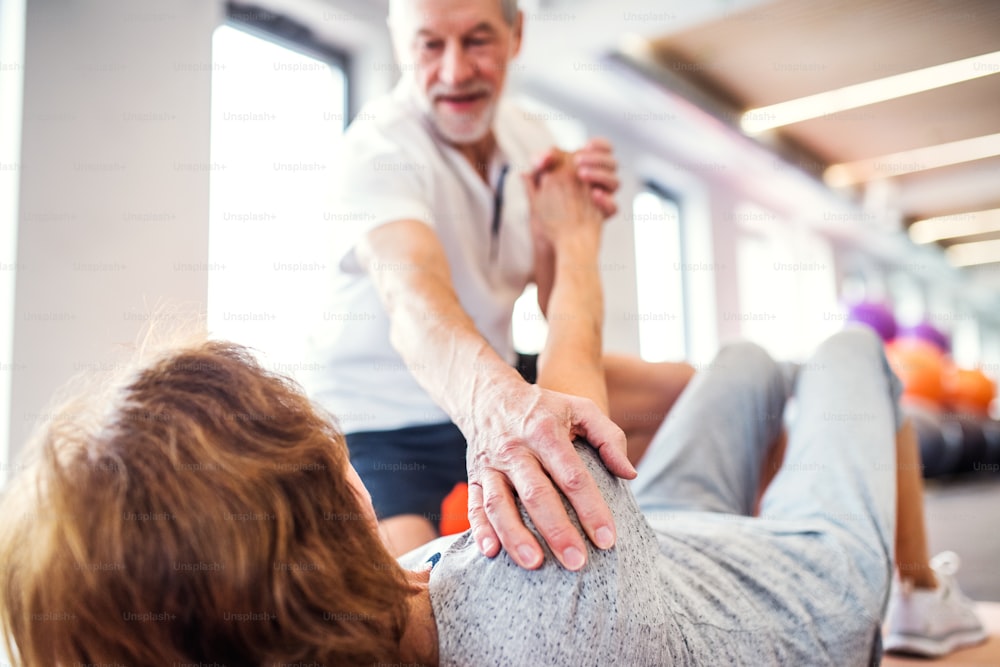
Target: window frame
column 295, row 36
column 668, row 194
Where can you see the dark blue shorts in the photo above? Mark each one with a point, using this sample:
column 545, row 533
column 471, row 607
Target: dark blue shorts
column 409, row 470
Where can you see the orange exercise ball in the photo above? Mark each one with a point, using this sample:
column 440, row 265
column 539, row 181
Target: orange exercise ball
column 921, row 367
column 969, row 391
column 455, row 510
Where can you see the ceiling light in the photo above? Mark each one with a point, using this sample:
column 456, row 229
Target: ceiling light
column 971, row 254
column 830, row 102
column 954, row 226
column 907, row 162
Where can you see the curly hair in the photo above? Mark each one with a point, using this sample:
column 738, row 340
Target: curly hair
column 198, row 512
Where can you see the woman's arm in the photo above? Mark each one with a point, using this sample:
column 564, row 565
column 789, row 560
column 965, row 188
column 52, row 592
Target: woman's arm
column 563, row 210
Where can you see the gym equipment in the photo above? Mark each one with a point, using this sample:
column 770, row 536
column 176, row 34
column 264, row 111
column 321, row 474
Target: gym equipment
column 927, row 332
column 455, row 510
column 969, row 391
column 920, row 366
column 876, row 315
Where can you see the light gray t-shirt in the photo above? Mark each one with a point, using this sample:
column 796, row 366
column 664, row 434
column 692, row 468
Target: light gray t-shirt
column 699, row 589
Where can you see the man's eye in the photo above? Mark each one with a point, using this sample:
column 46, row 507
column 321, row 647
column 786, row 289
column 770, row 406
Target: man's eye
column 430, row 45
column 478, row 41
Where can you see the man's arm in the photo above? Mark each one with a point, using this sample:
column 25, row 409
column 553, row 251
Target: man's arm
column 519, row 435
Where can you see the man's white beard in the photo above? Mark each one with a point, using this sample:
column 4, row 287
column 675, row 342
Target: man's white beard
column 460, row 128
column 464, row 129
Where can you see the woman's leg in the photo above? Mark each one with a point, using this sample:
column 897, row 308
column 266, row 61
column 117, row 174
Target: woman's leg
column 839, row 466
column 912, row 556
column 707, row 454
column 640, row 394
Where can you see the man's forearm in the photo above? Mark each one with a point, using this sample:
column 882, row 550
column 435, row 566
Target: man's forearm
column 437, row 339
column 445, row 352
column 571, row 360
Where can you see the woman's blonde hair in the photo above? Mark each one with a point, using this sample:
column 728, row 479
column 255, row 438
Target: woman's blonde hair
column 198, row 512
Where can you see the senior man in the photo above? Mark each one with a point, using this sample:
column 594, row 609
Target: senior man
column 434, row 245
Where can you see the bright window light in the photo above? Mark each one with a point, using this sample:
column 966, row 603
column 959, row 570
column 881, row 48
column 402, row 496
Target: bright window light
column 568, row 130
column 528, row 325
column 908, row 162
column 787, row 285
column 276, row 115
column 830, row 102
column 659, row 278
column 972, row 223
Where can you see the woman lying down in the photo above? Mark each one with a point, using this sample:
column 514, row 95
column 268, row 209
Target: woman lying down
column 203, row 511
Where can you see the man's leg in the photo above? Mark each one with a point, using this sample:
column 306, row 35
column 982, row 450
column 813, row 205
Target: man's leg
column 707, row 454
column 408, row 473
column 640, row 394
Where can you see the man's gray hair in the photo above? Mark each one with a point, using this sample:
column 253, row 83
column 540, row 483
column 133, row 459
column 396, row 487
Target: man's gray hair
column 507, row 7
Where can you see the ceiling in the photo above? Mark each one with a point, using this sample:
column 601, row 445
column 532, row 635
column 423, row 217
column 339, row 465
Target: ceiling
column 789, row 49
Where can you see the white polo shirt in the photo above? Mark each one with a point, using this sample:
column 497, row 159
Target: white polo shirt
column 393, row 166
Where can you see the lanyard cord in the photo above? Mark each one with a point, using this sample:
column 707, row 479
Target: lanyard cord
column 497, row 214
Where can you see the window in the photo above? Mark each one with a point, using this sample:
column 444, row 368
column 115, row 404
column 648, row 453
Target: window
column 276, row 115
column 907, row 294
column 787, row 285
column 659, row 263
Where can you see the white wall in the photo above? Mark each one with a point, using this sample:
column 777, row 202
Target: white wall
column 113, row 218
column 11, row 79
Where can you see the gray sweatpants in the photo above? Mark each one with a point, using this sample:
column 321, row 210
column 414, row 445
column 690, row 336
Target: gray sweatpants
column 827, row 521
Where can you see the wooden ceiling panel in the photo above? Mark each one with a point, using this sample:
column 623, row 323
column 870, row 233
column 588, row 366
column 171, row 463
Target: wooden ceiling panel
column 961, row 111
column 789, row 48
column 970, row 186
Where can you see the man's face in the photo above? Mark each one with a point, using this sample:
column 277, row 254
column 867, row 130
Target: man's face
column 458, row 51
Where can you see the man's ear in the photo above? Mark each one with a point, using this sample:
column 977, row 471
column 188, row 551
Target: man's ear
column 517, row 32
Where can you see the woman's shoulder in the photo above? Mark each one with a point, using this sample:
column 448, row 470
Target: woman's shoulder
column 491, row 611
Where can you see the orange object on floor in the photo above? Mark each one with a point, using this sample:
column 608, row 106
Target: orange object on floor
column 455, row 510
column 921, row 367
column 984, row 655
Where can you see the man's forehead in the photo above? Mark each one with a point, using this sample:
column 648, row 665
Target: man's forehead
column 444, row 15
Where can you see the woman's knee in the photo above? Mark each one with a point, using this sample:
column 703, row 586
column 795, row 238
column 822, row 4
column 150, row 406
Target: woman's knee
column 744, row 356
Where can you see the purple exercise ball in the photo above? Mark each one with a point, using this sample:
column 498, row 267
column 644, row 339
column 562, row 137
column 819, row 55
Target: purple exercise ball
column 927, row 332
column 876, row 315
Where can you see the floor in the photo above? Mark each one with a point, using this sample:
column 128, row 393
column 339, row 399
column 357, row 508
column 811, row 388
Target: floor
column 963, row 515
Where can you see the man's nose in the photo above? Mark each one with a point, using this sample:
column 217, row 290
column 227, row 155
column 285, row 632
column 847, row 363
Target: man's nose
column 456, row 67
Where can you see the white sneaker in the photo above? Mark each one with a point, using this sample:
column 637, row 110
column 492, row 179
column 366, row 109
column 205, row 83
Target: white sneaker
column 932, row 622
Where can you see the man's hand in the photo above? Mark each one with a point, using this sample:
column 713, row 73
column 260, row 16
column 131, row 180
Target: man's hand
column 561, row 208
column 595, row 165
column 522, row 445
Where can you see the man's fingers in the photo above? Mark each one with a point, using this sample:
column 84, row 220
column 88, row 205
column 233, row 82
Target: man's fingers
column 599, row 177
column 604, row 201
column 605, row 436
column 482, row 531
column 576, row 482
column 598, row 144
column 546, row 509
column 505, row 519
column 585, row 159
column 544, row 162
